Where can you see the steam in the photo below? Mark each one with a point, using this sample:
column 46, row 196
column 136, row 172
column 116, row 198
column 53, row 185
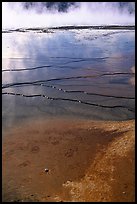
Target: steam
column 22, row 15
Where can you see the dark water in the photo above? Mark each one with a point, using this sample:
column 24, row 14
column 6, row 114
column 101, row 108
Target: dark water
column 68, row 73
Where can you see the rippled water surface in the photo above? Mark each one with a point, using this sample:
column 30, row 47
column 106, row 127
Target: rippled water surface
column 68, row 73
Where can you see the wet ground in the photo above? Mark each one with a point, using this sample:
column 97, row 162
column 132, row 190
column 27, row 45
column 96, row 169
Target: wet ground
column 69, row 160
column 75, row 73
column 68, row 102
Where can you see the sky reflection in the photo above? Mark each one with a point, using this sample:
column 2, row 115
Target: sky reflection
column 65, row 56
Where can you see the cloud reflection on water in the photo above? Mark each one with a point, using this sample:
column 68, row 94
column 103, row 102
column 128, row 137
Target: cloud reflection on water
column 70, row 54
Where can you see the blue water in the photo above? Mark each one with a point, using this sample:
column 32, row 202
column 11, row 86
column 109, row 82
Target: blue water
column 82, row 74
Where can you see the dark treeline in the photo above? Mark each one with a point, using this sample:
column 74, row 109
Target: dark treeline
column 60, row 6
column 64, row 6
